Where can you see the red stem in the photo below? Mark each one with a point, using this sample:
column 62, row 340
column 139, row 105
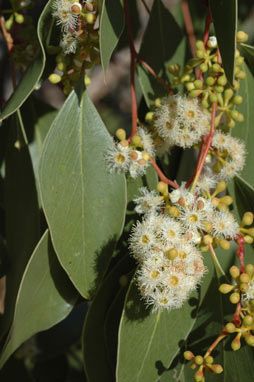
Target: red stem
column 159, row 79
column 162, row 177
column 189, row 26
column 240, row 252
column 236, row 317
column 208, row 22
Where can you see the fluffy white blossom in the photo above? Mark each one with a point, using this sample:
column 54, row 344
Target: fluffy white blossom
column 62, row 11
column 224, row 225
column 149, row 202
column 232, row 151
column 180, row 121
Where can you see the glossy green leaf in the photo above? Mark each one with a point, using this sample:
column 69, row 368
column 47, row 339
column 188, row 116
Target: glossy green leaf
column 34, row 72
column 22, row 214
column 45, row 297
column 93, row 338
column 224, row 14
column 84, row 204
column 245, row 130
column 248, row 52
column 154, row 336
column 163, row 44
column 111, row 28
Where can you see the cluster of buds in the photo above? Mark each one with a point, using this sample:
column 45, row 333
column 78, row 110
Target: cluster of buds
column 23, row 32
column 79, row 43
column 204, row 364
column 247, row 221
column 130, row 155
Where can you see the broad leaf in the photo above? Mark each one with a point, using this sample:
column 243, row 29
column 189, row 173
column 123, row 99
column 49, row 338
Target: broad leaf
column 163, row 44
column 245, row 129
column 45, row 297
column 84, row 204
column 224, row 15
column 22, row 214
column 111, row 28
column 248, row 52
column 94, row 345
column 34, row 72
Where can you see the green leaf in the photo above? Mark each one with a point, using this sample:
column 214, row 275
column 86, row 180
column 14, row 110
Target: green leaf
column 45, row 297
column 224, row 15
column 111, row 28
column 154, row 336
column 160, row 50
column 248, row 52
column 84, row 204
column 22, row 214
column 34, row 72
column 93, row 337
column 245, row 129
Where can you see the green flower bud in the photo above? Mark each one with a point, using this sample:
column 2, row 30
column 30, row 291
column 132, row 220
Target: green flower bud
column 199, row 360
column 205, row 104
column 54, row 78
column 174, row 69
column 248, row 320
column 239, row 60
column 203, row 67
column 249, row 339
column 188, row 355
column 236, row 343
column 189, row 86
column 87, row 80
column 217, row 369
column 157, row 102
column 234, row 298
column 198, row 84
column 230, row 327
column 241, row 75
column 136, row 140
column 222, row 80
column 195, row 93
column 200, row 44
column 9, row 23
column 162, row 188
column 237, row 100
column 121, row 134
column 234, row 114
column 244, row 287
column 228, row 93
column 19, row 18
column 210, row 81
column 219, row 89
column 226, row 288
column 241, row 37
column 249, row 269
column 248, row 239
column 236, row 85
column 209, row 360
column 213, row 97
column 234, row 271
column 216, row 68
column 200, row 53
column 61, row 66
column 244, row 278
column 149, row 116
column 230, row 123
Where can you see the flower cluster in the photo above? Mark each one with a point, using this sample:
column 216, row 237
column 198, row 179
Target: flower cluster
column 167, row 242
column 130, row 156
column 180, row 121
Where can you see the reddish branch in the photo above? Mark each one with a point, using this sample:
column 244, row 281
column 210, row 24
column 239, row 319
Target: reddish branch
column 240, row 252
column 159, row 79
column 207, row 27
column 205, row 146
column 162, row 177
column 189, row 26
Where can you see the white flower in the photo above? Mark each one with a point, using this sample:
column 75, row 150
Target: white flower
column 149, row 202
column 117, row 158
column 224, row 225
column 206, row 183
column 213, row 41
column 182, row 194
column 68, row 43
column 64, row 15
column 180, row 121
column 147, row 141
column 249, row 294
column 233, row 152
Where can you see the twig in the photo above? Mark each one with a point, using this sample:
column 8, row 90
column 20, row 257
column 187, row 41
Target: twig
column 240, row 252
column 189, row 26
column 162, row 177
column 208, row 140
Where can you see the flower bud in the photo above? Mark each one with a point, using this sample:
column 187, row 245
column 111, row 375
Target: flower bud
column 195, row 93
column 217, row 369
column 208, row 239
column 19, row 18
column 173, row 211
column 9, row 23
column 199, row 360
column 90, row 18
column 188, row 355
column 249, row 269
column 222, row 80
column 241, row 37
column 219, row 89
column 203, row 67
column 145, row 156
column 189, row 86
column 234, row 298
column 230, row 327
column 236, row 343
column 237, row 100
column 249, row 339
column 121, row 134
column 174, row 69
column 162, row 188
column 234, row 271
column 226, row 288
column 210, row 81
column 226, row 200
column 76, row 8
column 209, row 360
column 54, row 78
column 241, row 75
column 248, row 320
column 171, row 254
column 224, row 244
column 244, row 278
column 250, row 231
column 247, row 219
column 136, row 140
column 198, row 84
column 149, row 116
column 200, row 44
column 157, row 102
column 244, row 287
column 228, row 93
